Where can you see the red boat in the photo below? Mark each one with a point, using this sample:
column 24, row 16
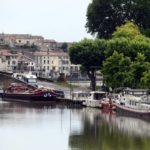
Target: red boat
column 19, row 92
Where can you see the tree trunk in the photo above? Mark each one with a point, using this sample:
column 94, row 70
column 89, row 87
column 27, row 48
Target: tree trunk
column 93, row 84
column 92, row 76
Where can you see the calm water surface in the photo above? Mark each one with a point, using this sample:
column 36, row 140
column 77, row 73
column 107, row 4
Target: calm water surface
column 57, row 127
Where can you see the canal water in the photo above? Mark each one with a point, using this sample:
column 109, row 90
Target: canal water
column 58, row 127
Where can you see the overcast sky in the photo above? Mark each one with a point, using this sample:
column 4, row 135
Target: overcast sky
column 61, row 20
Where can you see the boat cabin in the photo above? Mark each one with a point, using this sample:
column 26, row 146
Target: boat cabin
column 97, row 95
column 134, row 102
column 95, row 99
column 80, row 95
column 17, row 76
column 30, row 79
column 136, row 92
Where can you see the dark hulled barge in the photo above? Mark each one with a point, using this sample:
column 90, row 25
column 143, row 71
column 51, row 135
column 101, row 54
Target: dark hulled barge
column 19, row 92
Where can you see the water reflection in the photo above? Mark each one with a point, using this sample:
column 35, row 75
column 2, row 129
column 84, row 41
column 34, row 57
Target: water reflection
column 26, row 126
column 108, row 132
column 35, row 126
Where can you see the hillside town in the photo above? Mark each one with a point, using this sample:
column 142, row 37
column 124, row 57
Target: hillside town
column 43, row 57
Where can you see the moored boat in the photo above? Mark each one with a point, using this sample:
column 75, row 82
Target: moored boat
column 19, row 92
column 133, row 106
column 96, row 99
column 78, row 97
column 27, row 78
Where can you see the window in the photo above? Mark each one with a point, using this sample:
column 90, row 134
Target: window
column 76, row 68
column 44, row 68
column 13, row 62
column 27, row 42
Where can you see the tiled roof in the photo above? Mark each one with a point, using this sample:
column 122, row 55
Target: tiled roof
column 7, row 53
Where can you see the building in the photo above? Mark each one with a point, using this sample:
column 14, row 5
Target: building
column 51, row 63
column 15, row 62
column 14, row 40
column 49, row 45
column 28, row 40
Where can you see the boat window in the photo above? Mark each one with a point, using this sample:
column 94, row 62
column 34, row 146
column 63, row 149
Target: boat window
column 86, row 95
column 31, row 80
column 99, row 96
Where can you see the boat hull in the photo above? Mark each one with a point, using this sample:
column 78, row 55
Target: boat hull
column 43, row 96
column 125, row 111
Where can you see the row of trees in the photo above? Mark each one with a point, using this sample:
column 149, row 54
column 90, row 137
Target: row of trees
column 124, row 59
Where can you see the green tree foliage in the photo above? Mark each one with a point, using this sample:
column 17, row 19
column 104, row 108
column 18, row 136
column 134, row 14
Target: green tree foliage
column 128, row 40
column 90, row 54
column 129, row 31
column 120, row 71
column 116, row 71
column 104, row 15
column 138, row 67
column 145, row 80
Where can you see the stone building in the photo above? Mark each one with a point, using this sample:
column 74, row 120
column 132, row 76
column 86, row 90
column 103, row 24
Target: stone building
column 51, row 63
column 15, row 62
column 14, row 40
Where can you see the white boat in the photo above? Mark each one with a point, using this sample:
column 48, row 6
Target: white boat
column 133, row 106
column 17, row 75
column 80, row 96
column 28, row 78
column 95, row 99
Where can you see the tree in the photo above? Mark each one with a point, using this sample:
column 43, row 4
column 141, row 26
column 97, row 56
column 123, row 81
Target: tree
column 116, row 71
column 129, row 30
column 145, row 80
column 64, row 47
column 128, row 40
column 104, row 15
column 138, row 68
column 90, row 54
